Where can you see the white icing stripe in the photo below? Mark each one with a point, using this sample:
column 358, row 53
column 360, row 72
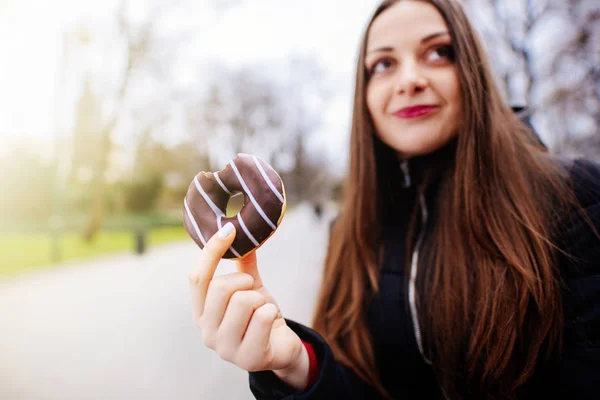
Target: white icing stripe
column 220, row 225
column 235, row 253
column 252, row 199
column 216, row 175
column 243, row 225
column 208, row 200
column 193, row 221
column 266, row 178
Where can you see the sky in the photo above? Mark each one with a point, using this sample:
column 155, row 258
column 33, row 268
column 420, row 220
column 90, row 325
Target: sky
column 32, row 51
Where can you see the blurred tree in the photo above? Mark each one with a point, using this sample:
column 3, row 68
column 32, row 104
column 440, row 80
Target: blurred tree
column 274, row 117
column 142, row 193
column 576, row 99
column 547, row 56
column 309, row 179
column 85, row 157
column 138, row 46
column 147, row 58
column 160, row 177
column 152, row 162
column 310, row 91
column 241, row 112
column 186, row 161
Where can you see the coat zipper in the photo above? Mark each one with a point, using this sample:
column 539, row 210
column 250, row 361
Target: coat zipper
column 406, row 171
column 415, row 261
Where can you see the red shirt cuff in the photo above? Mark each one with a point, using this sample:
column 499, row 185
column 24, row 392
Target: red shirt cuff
column 313, row 365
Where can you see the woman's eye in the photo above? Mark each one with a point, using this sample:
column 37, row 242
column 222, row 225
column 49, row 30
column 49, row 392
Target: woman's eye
column 442, row 52
column 380, row 66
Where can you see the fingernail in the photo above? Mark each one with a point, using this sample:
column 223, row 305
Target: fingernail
column 226, row 230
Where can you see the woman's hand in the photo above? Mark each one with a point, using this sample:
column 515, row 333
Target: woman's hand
column 240, row 320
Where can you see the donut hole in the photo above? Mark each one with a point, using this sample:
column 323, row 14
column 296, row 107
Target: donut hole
column 235, row 204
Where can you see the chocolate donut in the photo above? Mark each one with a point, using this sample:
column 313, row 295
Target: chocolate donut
column 205, row 204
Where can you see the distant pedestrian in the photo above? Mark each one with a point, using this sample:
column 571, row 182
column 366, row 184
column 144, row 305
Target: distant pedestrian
column 318, row 210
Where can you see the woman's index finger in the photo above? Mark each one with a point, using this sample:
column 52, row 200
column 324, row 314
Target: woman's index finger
column 204, row 271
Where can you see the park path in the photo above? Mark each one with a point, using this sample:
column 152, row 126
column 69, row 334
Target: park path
column 121, row 327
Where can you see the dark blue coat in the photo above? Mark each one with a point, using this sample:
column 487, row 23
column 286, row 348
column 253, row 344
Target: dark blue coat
column 402, row 369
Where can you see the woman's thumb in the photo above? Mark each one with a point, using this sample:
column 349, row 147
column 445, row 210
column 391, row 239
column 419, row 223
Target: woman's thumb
column 249, row 266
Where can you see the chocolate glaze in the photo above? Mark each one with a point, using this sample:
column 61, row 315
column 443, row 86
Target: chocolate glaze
column 264, row 204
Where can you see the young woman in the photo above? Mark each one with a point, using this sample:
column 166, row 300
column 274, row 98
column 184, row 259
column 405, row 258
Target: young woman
column 465, row 263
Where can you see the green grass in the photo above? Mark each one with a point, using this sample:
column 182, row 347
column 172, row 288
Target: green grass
column 21, row 251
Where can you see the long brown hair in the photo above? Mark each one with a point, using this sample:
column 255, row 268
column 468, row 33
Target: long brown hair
column 489, row 257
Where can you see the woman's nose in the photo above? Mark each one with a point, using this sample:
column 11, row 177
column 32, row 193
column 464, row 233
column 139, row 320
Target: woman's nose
column 410, row 79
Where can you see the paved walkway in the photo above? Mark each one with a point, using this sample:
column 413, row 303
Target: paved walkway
column 121, row 327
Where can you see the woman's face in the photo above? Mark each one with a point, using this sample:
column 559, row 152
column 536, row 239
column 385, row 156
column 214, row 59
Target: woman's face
column 413, row 92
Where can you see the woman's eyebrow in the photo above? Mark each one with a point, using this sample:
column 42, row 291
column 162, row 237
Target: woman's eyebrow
column 433, row 36
column 423, row 40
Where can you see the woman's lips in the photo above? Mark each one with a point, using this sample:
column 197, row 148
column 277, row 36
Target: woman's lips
column 414, row 112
